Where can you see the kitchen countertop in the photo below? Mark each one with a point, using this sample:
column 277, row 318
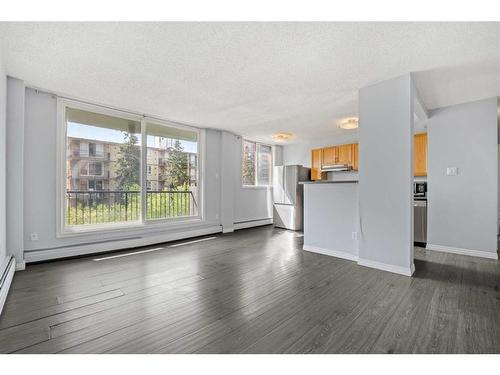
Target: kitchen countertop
column 328, row 182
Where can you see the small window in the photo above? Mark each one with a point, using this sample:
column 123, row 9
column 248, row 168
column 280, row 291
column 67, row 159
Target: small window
column 149, row 169
column 257, row 162
column 84, row 149
column 148, row 185
column 95, row 185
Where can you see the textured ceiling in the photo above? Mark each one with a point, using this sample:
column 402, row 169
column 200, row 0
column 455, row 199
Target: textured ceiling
column 254, row 79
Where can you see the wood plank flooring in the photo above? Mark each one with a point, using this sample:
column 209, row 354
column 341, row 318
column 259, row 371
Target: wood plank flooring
column 252, row 291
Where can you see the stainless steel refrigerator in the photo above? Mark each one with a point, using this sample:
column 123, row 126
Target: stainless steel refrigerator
column 288, row 196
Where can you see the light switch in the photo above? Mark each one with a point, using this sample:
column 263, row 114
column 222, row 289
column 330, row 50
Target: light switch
column 452, row 171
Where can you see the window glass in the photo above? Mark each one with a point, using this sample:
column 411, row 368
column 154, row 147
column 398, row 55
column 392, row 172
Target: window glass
column 90, row 136
column 248, row 163
column 172, row 167
column 264, row 164
column 257, row 163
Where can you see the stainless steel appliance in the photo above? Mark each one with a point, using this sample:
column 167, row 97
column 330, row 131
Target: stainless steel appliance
column 288, row 196
column 420, row 213
column 420, row 189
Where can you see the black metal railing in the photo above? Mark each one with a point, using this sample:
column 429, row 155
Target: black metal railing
column 109, row 206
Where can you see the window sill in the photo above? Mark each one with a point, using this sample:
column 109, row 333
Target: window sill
column 87, row 230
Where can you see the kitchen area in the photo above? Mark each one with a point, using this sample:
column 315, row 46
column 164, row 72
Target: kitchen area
column 326, row 205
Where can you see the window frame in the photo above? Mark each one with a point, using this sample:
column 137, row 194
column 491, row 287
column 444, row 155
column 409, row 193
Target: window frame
column 62, row 230
column 256, row 162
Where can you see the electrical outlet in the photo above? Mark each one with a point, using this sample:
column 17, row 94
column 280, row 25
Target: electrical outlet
column 34, row 236
column 452, row 171
column 354, row 235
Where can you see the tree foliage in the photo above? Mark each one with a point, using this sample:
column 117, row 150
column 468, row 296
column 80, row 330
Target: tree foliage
column 248, row 167
column 177, row 171
column 129, row 163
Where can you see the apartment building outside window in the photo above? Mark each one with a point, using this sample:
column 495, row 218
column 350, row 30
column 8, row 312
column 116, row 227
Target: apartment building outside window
column 101, row 190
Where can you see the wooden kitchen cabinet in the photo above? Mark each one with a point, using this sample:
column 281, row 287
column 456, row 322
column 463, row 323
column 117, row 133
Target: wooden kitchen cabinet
column 329, row 156
column 420, row 154
column 355, row 159
column 316, row 156
column 344, row 154
column 341, row 154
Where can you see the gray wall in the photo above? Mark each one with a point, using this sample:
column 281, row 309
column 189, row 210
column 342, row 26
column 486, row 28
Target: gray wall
column 463, row 208
column 219, row 185
column 3, row 114
column 330, row 217
column 15, row 174
column 300, row 153
column 386, row 176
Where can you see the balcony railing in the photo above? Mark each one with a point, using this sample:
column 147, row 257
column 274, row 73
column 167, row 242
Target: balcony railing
column 106, row 206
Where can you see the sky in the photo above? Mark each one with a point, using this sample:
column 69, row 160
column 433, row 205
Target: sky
column 110, row 135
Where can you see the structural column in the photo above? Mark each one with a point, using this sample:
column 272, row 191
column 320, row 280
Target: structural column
column 386, row 175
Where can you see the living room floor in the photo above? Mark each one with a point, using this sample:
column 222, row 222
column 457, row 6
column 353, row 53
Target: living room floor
column 252, row 291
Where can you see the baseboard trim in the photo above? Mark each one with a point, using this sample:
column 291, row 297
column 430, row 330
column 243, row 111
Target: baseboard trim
column 333, row 253
column 387, row 267
column 6, row 281
column 20, row 266
column 65, row 252
column 460, row 251
column 252, row 223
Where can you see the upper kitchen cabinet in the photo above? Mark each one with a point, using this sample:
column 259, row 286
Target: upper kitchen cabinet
column 420, row 154
column 316, row 156
column 344, row 154
column 334, row 155
column 329, row 156
column 355, row 156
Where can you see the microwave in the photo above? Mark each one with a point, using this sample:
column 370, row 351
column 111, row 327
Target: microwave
column 420, row 189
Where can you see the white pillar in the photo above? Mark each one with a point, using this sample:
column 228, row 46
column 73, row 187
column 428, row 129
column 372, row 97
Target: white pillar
column 386, row 175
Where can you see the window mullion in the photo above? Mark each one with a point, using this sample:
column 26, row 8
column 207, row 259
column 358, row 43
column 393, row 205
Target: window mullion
column 256, row 165
column 143, row 170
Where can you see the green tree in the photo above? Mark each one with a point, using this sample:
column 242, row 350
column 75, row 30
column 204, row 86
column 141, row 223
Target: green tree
column 248, row 167
column 177, row 167
column 128, row 164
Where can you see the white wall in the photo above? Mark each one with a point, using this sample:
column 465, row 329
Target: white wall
column 330, row 217
column 3, row 114
column 462, row 209
column 300, row 153
column 15, row 174
column 386, row 175
column 225, row 201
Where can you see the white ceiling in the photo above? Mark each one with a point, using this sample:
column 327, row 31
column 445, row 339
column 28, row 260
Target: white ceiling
column 254, row 79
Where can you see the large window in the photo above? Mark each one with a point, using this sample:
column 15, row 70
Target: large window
column 107, row 179
column 172, row 172
column 257, row 162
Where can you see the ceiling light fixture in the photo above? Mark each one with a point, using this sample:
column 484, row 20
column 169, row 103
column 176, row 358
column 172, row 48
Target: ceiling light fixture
column 282, row 137
column 349, row 123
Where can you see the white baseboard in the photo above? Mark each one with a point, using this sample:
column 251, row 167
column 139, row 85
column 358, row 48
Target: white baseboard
column 41, row 255
column 458, row 250
column 333, row 253
column 387, row 267
column 6, row 281
column 20, row 266
column 252, row 223
column 227, row 230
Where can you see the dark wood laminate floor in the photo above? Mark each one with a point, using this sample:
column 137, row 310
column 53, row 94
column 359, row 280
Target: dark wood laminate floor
column 253, row 291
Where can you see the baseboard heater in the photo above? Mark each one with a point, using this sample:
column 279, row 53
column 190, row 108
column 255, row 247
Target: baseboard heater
column 252, row 223
column 6, row 280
